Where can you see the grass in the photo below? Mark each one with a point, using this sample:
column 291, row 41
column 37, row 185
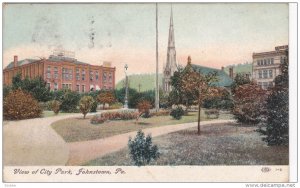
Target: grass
column 79, row 129
column 51, row 114
column 226, row 144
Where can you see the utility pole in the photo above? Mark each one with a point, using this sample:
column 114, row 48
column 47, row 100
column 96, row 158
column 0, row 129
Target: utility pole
column 126, row 89
column 157, row 87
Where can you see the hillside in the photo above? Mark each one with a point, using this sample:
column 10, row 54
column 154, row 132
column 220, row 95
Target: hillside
column 147, row 82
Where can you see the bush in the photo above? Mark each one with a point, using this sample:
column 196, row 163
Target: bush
column 212, row 112
column 124, row 115
column 54, row 105
column 69, row 101
column 144, row 108
column 249, row 103
column 116, row 105
column 98, row 119
column 160, row 113
column 141, row 150
column 277, row 124
column 20, row 104
column 85, row 105
column 94, row 106
column 106, row 98
column 177, row 113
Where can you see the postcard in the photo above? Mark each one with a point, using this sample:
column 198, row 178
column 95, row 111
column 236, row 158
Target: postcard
column 148, row 92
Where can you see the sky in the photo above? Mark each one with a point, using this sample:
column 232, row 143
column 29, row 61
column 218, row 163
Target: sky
column 213, row 34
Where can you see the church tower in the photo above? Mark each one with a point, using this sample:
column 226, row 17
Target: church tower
column 171, row 65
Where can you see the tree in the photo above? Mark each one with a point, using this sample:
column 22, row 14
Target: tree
column 106, row 98
column 54, row 105
column 144, row 108
column 85, row 105
column 194, row 87
column 19, row 104
column 69, row 100
column 240, row 79
column 141, row 149
column 277, row 121
column 179, row 95
column 37, row 87
column 249, row 103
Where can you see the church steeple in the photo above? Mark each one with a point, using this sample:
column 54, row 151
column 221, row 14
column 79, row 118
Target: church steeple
column 171, row 65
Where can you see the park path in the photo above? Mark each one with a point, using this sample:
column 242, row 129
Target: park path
column 34, row 142
column 84, row 151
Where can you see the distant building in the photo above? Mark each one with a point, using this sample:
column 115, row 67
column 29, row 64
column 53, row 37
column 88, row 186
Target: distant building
column 171, row 65
column 266, row 65
column 62, row 72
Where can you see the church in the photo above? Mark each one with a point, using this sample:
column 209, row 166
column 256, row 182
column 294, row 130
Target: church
column 171, row 65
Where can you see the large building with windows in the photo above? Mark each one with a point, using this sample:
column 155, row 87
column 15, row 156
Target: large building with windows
column 62, row 72
column 266, row 65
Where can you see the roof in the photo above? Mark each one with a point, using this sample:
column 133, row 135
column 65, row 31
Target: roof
column 224, row 79
column 20, row 63
column 51, row 58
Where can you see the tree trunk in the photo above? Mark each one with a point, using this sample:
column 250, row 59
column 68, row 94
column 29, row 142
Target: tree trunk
column 84, row 116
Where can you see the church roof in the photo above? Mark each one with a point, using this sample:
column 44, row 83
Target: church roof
column 224, row 79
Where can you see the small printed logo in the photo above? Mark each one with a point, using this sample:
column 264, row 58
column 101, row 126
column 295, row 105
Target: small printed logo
column 265, row 169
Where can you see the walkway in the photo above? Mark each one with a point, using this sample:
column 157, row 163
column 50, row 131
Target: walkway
column 82, row 152
column 34, row 142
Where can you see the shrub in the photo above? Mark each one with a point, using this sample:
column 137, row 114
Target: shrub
column 249, row 103
column 106, row 98
column 94, row 106
column 116, row 105
column 54, row 105
column 69, row 101
column 141, row 150
column 98, row 119
column 124, row 115
column 20, row 104
column 177, row 113
column 212, row 112
column 85, row 104
column 144, row 108
column 160, row 113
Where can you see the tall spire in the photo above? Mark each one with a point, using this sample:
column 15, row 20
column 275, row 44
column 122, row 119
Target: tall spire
column 171, row 65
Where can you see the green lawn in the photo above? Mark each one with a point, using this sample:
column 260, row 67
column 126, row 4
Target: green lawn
column 51, row 114
column 79, row 129
column 226, row 144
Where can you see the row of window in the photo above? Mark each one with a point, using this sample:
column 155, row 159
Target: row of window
column 265, row 74
column 262, row 62
column 67, row 74
column 69, row 86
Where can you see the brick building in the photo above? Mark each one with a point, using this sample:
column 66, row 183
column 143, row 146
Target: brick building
column 60, row 71
column 266, row 65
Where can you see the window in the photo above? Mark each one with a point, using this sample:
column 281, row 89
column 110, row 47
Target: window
column 272, row 61
column 83, row 74
column 110, row 77
column 48, row 75
column 77, row 88
column 265, row 73
column 259, row 74
column 49, row 69
column 97, row 76
column 91, row 75
column 55, row 73
column 48, row 85
column 83, row 88
column 70, row 74
column 265, row 62
column 258, row 62
column 270, row 73
column 269, row 61
column 77, row 74
column 104, row 77
column 55, row 86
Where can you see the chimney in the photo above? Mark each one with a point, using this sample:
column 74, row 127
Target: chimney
column 222, row 68
column 231, row 72
column 15, row 61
